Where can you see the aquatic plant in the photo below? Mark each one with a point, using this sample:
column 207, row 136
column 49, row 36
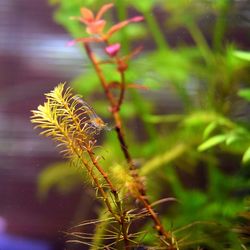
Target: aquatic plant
column 70, row 121
column 184, row 153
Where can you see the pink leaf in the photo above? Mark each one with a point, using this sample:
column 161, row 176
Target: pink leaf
column 113, row 49
column 136, row 19
column 85, row 40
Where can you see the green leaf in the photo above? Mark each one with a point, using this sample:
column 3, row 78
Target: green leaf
column 212, row 142
column 60, row 176
column 209, row 129
column 231, row 138
column 86, row 83
column 142, row 6
column 244, row 93
column 156, row 162
column 246, row 156
column 244, row 55
column 156, row 119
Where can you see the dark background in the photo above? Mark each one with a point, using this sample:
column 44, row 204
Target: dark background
column 33, row 58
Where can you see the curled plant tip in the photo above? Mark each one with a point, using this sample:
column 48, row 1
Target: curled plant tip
column 66, row 121
column 113, row 49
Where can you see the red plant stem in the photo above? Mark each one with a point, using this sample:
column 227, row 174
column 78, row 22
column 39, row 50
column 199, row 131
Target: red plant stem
column 119, row 218
column 122, row 93
column 113, row 103
column 85, row 163
column 115, row 112
column 100, row 75
column 116, row 197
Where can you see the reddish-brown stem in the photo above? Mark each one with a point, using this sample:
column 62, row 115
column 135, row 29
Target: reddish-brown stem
column 103, row 194
column 116, row 197
column 113, row 104
column 119, row 218
column 100, row 75
column 122, row 92
column 102, row 172
column 118, row 126
column 85, row 163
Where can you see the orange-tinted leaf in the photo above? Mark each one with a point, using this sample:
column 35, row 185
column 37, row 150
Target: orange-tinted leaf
column 87, row 14
column 96, row 27
column 136, row 86
column 117, row 27
column 103, row 9
column 133, row 53
column 122, row 24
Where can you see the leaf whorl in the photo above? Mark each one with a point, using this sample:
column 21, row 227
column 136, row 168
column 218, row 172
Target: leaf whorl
column 63, row 118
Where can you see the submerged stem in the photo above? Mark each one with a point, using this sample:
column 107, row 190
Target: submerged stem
column 120, row 134
column 117, row 200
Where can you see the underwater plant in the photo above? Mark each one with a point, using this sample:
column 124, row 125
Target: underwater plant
column 71, row 122
column 182, row 154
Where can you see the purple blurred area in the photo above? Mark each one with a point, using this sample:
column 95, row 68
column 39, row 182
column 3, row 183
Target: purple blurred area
column 8, row 242
column 34, row 58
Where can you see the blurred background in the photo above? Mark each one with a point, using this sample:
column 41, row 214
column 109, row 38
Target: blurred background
column 194, row 69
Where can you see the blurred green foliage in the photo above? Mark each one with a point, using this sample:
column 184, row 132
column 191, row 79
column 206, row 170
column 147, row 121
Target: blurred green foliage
column 197, row 153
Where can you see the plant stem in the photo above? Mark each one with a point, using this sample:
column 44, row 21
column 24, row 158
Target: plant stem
column 117, row 200
column 122, row 15
column 100, row 75
column 121, row 220
column 219, row 28
column 118, row 122
column 155, row 30
column 200, row 41
column 122, row 93
column 113, row 103
column 85, row 163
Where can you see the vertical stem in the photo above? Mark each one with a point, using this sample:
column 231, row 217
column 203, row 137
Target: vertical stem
column 121, row 97
column 100, row 75
column 122, row 221
column 115, row 112
column 200, row 41
column 220, row 25
column 122, row 15
column 85, row 163
column 119, row 218
column 155, row 31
